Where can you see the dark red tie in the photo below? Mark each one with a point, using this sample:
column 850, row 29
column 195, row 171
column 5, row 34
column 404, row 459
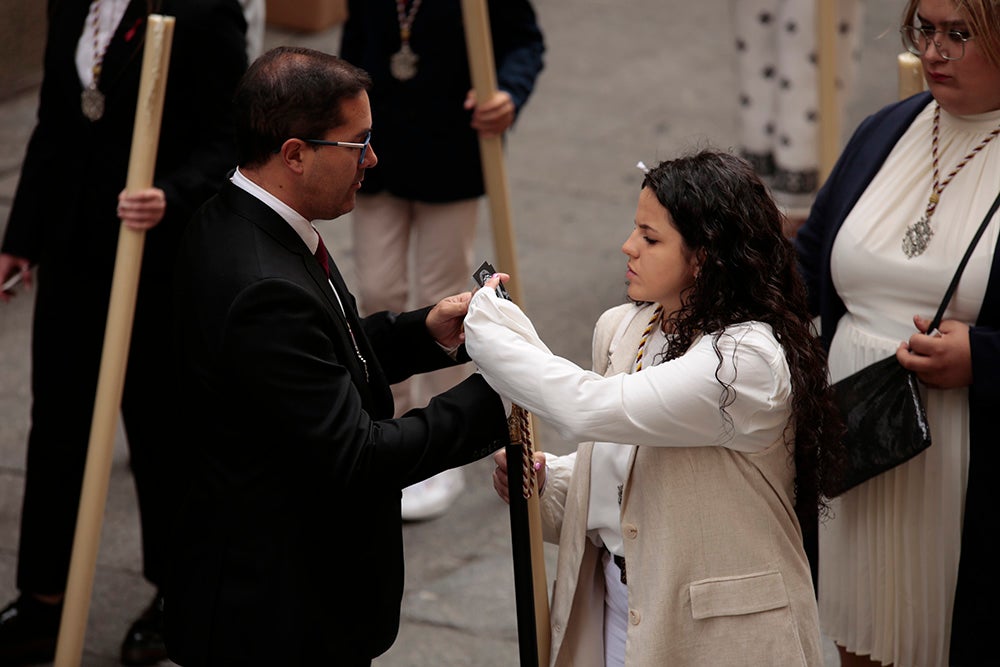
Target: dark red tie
column 322, row 256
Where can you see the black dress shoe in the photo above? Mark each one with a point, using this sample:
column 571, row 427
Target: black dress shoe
column 28, row 632
column 143, row 645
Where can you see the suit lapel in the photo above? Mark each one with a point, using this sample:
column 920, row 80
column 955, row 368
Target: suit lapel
column 125, row 46
column 380, row 394
column 370, row 382
column 622, row 360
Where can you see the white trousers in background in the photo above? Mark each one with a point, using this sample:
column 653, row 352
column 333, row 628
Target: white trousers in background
column 409, row 254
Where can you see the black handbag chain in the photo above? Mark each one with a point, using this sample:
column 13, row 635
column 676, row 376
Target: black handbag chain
column 961, row 265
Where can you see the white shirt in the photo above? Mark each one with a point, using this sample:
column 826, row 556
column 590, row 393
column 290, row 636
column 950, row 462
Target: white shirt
column 609, row 471
column 109, row 14
column 302, row 227
column 673, row 404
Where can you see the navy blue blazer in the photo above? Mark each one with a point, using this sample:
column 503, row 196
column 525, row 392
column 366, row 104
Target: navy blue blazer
column 977, row 611
column 427, row 150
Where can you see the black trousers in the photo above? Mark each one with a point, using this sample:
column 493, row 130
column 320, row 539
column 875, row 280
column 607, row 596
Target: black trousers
column 67, row 339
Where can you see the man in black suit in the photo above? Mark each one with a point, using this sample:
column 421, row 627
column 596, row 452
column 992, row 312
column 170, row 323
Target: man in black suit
column 289, row 547
column 65, row 220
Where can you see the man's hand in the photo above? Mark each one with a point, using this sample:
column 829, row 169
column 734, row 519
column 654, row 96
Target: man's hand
column 494, row 116
column 444, row 321
column 10, row 266
column 941, row 359
column 142, row 210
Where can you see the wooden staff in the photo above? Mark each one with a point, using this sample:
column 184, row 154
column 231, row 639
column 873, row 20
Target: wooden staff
column 484, row 79
column 117, row 335
column 829, row 109
column 911, row 75
column 530, row 581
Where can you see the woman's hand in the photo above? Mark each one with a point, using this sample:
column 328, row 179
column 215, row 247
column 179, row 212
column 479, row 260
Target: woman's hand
column 942, row 359
column 500, row 472
column 493, row 281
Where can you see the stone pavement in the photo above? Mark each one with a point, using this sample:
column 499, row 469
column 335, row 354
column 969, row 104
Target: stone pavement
column 624, row 81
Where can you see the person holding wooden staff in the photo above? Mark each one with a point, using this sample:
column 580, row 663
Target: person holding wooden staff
column 289, row 544
column 410, row 217
column 708, row 432
column 65, row 219
column 906, row 566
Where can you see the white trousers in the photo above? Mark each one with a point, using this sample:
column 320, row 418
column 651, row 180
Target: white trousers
column 615, row 613
column 410, row 254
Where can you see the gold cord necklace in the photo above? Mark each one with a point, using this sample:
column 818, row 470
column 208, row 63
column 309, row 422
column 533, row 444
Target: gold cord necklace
column 918, row 235
column 403, row 63
column 653, row 321
column 92, row 99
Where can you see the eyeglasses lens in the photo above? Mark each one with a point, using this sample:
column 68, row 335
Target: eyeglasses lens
column 949, row 44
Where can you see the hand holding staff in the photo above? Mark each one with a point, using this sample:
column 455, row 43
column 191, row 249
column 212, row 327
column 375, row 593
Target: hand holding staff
column 114, row 356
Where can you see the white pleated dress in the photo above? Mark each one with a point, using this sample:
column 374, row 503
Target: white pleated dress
column 889, row 556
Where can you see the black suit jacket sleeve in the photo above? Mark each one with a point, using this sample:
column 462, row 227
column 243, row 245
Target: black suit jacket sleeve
column 288, row 369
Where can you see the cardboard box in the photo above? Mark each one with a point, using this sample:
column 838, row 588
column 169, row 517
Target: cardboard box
column 306, row 15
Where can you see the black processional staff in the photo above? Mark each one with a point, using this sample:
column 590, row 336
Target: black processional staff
column 530, row 587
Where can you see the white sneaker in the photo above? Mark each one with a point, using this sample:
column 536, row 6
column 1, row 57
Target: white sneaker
column 432, row 497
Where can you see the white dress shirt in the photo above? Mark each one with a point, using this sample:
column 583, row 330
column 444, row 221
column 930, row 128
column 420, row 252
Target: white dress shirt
column 673, row 404
column 108, row 14
column 302, row 227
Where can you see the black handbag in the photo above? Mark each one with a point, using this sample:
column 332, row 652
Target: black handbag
column 884, row 416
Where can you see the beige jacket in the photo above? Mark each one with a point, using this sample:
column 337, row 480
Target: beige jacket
column 716, row 570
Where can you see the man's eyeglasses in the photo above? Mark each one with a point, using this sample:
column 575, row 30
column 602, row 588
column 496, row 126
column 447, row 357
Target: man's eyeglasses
column 916, row 39
column 344, row 144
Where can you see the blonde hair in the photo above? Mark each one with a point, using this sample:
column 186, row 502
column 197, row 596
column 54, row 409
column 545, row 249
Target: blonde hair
column 984, row 22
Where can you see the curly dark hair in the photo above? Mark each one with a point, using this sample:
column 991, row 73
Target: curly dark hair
column 748, row 272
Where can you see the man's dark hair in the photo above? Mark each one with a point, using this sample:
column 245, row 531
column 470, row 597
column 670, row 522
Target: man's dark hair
column 291, row 92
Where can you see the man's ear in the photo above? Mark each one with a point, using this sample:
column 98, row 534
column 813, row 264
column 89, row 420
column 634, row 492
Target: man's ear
column 292, row 154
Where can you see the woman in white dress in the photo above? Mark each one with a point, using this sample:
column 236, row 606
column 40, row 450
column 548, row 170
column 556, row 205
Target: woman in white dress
column 707, row 429
column 901, row 580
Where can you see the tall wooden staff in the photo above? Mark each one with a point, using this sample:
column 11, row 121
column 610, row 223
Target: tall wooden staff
column 117, row 335
column 829, row 109
column 911, row 74
column 531, row 590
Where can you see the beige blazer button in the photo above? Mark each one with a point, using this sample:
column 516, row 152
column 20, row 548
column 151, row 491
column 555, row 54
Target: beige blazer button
column 630, row 531
column 634, row 617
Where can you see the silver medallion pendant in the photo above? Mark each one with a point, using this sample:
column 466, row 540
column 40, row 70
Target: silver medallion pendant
column 92, row 103
column 403, row 63
column 917, row 237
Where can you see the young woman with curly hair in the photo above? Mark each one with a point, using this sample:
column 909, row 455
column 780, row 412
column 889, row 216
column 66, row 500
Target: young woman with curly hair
column 679, row 518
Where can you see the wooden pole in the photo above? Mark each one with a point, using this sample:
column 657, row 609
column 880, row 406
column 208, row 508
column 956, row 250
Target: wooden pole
column 829, row 109
column 484, row 79
column 911, row 75
column 483, row 70
column 117, row 335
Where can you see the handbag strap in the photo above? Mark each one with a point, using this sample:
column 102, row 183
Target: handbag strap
column 961, row 265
